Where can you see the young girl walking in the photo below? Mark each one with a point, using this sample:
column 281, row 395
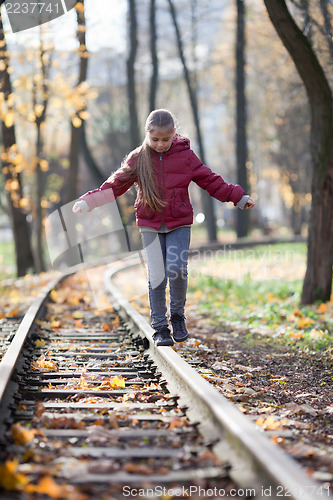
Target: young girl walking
column 162, row 169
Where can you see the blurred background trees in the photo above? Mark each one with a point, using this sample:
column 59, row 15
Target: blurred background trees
column 75, row 94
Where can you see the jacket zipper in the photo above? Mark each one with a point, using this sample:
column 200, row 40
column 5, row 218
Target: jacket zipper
column 162, row 186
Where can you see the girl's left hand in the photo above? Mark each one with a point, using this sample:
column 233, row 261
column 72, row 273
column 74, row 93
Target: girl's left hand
column 250, row 203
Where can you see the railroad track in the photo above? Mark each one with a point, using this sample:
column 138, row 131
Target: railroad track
column 90, row 408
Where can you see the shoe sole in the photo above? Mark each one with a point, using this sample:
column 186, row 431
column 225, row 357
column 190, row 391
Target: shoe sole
column 164, row 344
column 182, row 339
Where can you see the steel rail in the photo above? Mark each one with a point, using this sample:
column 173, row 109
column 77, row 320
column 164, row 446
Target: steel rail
column 256, row 462
column 9, row 361
column 12, row 354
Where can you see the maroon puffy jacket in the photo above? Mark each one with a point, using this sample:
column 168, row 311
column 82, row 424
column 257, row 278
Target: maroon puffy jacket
column 174, row 170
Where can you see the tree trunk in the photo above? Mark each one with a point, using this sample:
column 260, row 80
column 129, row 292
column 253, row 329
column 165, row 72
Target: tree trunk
column 154, row 58
column 242, row 225
column 76, row 127
column 327, row 25
column 20, row 227
column 39, row 174
column 207, row 201
column 39, row 260
column 92, row 166
column 133, row 116
column 318, row 279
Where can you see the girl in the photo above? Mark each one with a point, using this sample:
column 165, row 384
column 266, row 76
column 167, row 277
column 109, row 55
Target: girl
column 162, row 169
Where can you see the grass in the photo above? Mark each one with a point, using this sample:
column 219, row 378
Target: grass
column 7, row 260
column 258, row 290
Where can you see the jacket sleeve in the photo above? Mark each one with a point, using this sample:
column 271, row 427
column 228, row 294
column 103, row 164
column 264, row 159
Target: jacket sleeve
column 107, row 193
column 213, row 183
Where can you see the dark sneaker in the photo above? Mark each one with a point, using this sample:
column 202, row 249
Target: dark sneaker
column 179, row 331
column 162, row 336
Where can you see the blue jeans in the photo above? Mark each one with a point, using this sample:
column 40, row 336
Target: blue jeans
column 167, row 256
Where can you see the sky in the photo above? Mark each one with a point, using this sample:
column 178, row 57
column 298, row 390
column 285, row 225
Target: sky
column 106, row 27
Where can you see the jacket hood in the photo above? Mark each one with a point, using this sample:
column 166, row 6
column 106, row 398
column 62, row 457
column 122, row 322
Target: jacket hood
column 179, row 143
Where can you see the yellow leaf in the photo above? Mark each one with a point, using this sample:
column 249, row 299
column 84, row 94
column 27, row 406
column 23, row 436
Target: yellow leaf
column 45, row 365
column 84, row 115
column 24, row 203
column 55, row 324
column 54, row 296
column 269, row 423
column 175, row 423
column 39, row 108
column 9, row 119
column 79, row 7
column 54, row 198
column 40, row 343
column 113, row 384
column 48, row 486
column 44, row 203
column 21, row 435
column 76, row 121
column 296, row 335
column 118, row 382
column 44, row 165
column 13, row 312
column 78, row 315
column 9, row 478
column 322, row 308
column 305, row 322
column 115, row 322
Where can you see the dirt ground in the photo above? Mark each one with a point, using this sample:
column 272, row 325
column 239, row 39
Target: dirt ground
column 287, row 393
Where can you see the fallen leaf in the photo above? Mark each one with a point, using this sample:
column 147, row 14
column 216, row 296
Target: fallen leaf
column 322, row 308
column 21, row 435
column 78, row 315
column 40, row 343
column 270, row 423
column 49, row 487
column 301, row 450
column 44, row 364
column 10, row 479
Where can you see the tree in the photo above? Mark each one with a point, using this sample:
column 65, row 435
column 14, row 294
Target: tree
column 132, row 101
column 293, row 158
column 241, row 116
column 10, row 168
column 318, row 279
column 40, row 96
column 154, row 58
column 79, row 116
column 207, row 201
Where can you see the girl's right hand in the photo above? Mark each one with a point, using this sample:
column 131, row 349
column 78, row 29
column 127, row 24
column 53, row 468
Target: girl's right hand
column 250, row 203
column 80, row 207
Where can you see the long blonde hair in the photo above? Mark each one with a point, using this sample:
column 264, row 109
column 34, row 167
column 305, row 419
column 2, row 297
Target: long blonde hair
column 143, row 171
